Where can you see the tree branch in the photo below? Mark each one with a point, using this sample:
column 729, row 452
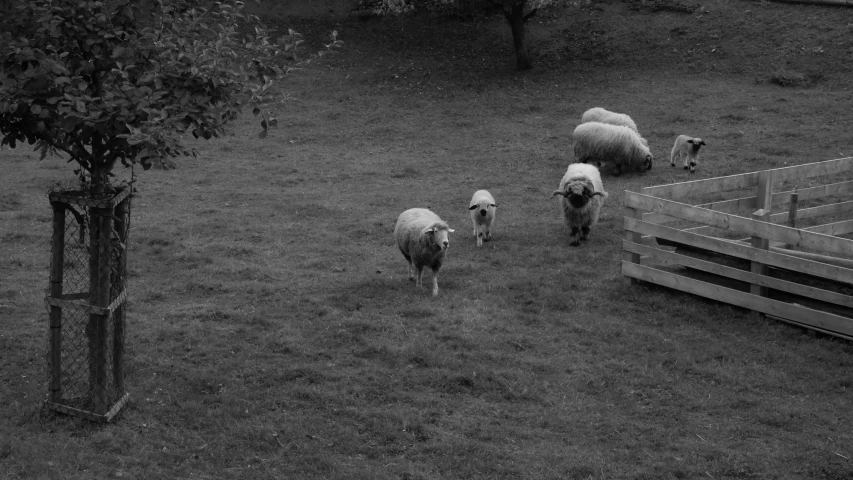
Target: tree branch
column 529, row 15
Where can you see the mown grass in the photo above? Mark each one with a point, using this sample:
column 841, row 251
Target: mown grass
column 273, row 332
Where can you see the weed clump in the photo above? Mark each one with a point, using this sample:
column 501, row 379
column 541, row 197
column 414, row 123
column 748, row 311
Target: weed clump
column 785, row 77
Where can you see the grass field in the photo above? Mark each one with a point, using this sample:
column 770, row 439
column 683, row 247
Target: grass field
column 273, row 332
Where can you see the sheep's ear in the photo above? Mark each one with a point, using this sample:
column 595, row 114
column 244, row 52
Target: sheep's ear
column 702, row 142
column 450, row 230
column 430, row 230
column 472, row 207
column 495, row 205
column 690, row 141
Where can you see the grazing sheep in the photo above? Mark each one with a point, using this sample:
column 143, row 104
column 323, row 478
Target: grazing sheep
column 603, row 142
column 422, row 237
column 598, row 114
column 601, row 115
column 687, row 147
column 580, row 188
column 482, row 215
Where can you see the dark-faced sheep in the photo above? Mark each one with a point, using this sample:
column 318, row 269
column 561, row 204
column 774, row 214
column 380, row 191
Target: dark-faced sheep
column 583, row 195
column 482, row 209
column 686, row 147
column 423, row 239
column 611, row 144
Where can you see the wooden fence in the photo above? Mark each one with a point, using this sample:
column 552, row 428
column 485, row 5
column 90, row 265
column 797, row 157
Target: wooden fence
column 736, row 250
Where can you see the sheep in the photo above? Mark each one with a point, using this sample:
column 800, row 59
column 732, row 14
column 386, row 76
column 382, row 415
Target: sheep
column 482, row 215
column 687, row 147
column 598, row 114
column 423, row 239
column 580, row 188
column 611, row 143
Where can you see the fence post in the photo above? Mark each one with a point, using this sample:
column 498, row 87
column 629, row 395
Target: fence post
column 632, row 237
column 764, row 197
column 57, row 264
column 792, row 214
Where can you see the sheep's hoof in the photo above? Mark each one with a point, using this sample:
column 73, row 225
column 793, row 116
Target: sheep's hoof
column 576, row 243
column 686, row 167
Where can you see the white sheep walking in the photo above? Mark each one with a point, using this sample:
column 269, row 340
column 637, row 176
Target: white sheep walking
column 583, row 195
column 423, row 239
column 602, row 142
column 688, row 148
column 482, row 209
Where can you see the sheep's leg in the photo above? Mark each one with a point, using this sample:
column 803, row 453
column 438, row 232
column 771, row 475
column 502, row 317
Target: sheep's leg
column 411, row 269
column 617, row 170
column 672, row 158
column 480, row 239
column 419, row 282
column 585, row 232
column 487, row 237
column 434, row 283
column 693, row 165
column 574, row 238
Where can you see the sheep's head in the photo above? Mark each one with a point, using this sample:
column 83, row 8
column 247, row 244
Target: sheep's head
column 695, row 143
column 483, row 206
column 578, row 191
column 438, row 233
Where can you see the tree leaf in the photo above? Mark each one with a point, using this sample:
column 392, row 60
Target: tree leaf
column 262, row 134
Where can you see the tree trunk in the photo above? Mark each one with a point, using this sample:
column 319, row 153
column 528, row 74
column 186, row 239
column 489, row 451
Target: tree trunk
column 515, row 17
column 100, row 230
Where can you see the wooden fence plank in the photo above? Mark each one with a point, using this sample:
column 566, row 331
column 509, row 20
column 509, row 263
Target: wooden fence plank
column 745, row 204
column 811, row 170
column 791, row 311
column 677, row 191
column 673, row 258
column 734, row 249
column 837, row 228
column 830, row 209
column 779, row 233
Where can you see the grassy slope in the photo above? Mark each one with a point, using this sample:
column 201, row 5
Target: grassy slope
column 273, row 331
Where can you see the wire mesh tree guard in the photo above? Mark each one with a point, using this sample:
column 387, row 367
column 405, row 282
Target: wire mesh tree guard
column 86, row 300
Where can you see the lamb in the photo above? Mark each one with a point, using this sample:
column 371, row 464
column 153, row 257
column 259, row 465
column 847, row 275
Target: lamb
column 687, row 147
column 482, row 215
column 603, row 142
column 580, row 188
column 423, row 239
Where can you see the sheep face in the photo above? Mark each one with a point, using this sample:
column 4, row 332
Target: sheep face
column 648, row 162
column 439, row 237
column 482, row 207
column 578, row 192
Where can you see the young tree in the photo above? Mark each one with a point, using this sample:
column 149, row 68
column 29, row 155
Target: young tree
column 109, row 82
column 106, row 82
column 516, row 13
